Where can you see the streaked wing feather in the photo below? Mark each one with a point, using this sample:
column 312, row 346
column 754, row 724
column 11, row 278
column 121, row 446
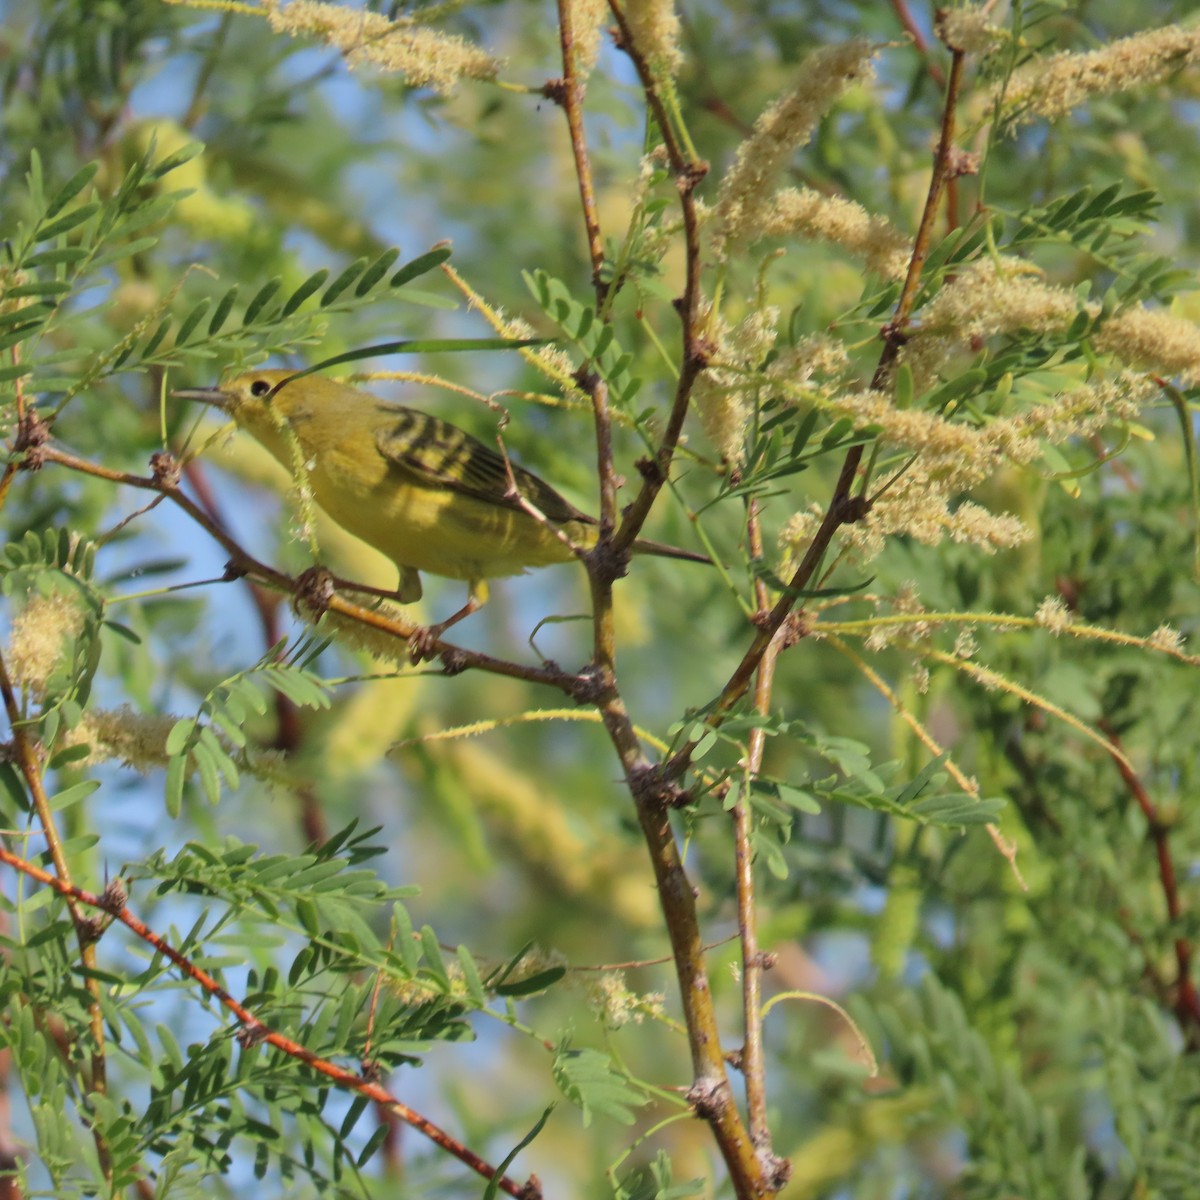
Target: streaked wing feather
column 442, row 455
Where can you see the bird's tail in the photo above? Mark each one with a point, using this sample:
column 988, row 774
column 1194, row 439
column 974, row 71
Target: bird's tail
column 642, row 546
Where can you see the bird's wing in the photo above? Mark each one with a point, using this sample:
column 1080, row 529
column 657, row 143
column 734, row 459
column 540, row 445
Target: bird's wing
column 441, row 455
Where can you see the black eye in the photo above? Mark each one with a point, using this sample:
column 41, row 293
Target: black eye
column 260, row 387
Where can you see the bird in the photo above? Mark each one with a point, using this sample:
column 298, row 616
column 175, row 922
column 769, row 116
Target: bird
column 417, row 488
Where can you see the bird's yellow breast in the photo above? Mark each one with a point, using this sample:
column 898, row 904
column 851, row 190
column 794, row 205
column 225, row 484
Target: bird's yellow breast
column 428, row 527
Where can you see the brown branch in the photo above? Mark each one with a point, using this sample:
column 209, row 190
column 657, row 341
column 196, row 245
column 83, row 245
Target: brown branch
column 454, row 658
column 253, row 1031
column 1187, row 1000
column 29, row 758
column 568, row 92
column 688, row 175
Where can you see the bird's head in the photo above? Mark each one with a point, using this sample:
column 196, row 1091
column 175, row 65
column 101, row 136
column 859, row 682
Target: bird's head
column 248, row 396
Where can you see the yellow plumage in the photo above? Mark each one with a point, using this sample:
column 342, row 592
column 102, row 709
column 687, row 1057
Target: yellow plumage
column 420, row 490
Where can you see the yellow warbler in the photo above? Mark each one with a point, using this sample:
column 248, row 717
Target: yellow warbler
column 420, row 490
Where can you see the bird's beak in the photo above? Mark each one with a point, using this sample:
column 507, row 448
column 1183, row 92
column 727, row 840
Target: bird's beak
column 213, row 396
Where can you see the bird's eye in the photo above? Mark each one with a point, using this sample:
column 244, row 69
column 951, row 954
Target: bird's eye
column 260, row 387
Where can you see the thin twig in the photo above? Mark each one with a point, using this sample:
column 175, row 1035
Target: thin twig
column 688, row 174
column 570, row 95
column 753, row 1067
column 1187, row 1001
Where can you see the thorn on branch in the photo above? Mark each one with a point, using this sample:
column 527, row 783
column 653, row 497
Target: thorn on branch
column 555, row 90
column 32, row 434
column 532, row 1189
column 165, row 468
column 114, row 897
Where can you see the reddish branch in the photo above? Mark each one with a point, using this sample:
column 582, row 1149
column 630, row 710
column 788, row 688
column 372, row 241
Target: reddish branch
column 1187, row 1000
column 253, row 1031
column 29, row 758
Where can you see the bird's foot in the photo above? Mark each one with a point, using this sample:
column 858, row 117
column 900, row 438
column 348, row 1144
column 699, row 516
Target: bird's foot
column 424, row 643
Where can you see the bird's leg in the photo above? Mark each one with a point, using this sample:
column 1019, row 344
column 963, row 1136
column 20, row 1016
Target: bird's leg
column 423, row 643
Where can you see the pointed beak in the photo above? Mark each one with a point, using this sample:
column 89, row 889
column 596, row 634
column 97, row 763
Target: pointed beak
column 213, row 396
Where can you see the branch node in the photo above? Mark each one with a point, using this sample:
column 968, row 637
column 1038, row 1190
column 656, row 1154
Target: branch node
column 532, row 1189
column 692, row 175
column 165, row 468
column 32, row 435
column 776, row 1171
column 555, row 90
column 709, row 1097
column 652, row 789
column 586, row 379
column 90, row 930
column 114, row 897
column 606, row 562
column 252, row 1033
column 960, row 162
column 853, row 509
column 314, row 590
column 590, row 686
column 453, row 660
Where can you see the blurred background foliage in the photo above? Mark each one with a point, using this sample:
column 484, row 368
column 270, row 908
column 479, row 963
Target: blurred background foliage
column 1032, row 1043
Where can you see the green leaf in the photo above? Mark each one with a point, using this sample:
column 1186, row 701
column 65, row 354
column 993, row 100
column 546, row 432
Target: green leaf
column 310, row 286
column 419, row 266
column 376, row 271
column 72, row 188
column 191, row 321
column 182, row 155
column 261, row 300
column 223, row 309
column 493, row 1187
column 471, row 978
column 539, row 981
column 343, row 281
column 70, row 220
column 587, row 1078
column 173, row 792
column 73, row 794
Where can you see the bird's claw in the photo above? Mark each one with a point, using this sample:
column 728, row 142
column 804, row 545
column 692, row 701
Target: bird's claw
column 424, row 643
